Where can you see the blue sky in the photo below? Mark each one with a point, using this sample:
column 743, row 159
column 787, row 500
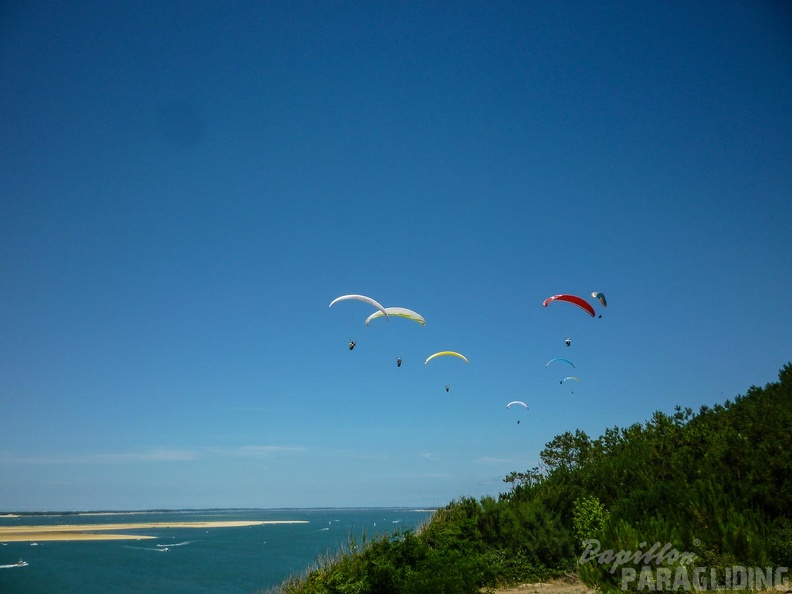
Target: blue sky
column 185, row 186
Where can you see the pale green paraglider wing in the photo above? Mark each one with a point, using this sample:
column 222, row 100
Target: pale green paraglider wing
column 401, row 312
column 571, row 377
column 360, row 298
column 516, row 402
column 446, row 354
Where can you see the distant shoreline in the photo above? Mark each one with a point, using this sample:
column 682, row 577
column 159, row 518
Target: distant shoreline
column 208, row 510
column 108, row 531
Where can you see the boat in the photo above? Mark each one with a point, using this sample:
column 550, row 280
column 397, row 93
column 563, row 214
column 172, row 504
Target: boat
column 19, row 563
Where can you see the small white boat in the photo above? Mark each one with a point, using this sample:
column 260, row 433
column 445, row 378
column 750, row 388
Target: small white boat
column 19, row 563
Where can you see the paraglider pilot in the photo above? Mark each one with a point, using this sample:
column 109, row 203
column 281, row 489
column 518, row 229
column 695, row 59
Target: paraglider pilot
column 351, row 344
column 398, row 361
column 568, row 341
column 448, row 388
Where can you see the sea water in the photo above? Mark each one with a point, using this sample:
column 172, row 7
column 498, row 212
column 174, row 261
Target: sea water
column 246, row 559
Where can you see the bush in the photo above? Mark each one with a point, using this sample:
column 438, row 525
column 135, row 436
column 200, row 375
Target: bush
column 588, row 519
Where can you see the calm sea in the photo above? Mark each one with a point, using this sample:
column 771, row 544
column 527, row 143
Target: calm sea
column 215, row 560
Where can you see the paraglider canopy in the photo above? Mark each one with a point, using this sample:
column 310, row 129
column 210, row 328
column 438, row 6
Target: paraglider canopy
column 559, row 359
column 446, row 354
column 600, row 297
column 401, row 312
column 575, row 300
column 363, row 298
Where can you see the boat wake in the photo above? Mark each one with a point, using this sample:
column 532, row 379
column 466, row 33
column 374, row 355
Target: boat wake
column 157, row 549
column 175, row 544
column 20, row 564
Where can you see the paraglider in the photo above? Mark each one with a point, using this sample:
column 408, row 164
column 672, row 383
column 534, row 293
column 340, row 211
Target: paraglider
column 521, row 403
column 568, row 341
column 401, row 312
column 559, row 359
column 363, row 298
column 600, row 297
column 571, row 377
column 575, row 300
column 359, row 298
column 446, row 354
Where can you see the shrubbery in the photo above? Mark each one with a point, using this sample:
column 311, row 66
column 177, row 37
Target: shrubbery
column 717, row 484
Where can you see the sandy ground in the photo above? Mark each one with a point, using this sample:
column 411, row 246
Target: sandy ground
column 573, row 586
column 570, row 586
column 109, row 531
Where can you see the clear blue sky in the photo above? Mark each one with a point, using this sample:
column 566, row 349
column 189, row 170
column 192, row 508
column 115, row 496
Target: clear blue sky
column 185, row 186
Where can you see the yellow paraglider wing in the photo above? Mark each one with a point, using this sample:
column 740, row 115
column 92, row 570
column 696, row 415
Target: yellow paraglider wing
column 446, row 354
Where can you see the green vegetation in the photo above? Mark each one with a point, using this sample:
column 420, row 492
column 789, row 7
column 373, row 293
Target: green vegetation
column 716, row 484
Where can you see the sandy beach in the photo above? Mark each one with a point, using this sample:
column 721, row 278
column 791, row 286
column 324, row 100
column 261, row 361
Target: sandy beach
column 110, row 531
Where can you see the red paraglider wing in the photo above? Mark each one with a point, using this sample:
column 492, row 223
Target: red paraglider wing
column 580, row 302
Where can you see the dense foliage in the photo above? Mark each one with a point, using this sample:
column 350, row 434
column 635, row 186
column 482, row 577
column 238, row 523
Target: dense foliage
column 717, row 484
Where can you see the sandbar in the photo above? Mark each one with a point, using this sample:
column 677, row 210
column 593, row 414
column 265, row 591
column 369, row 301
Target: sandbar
column 108, row 531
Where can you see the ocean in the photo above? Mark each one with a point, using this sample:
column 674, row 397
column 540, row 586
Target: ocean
column 214, row 560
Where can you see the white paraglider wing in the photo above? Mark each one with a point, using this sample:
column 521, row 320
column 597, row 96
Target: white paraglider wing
column 368, row 300
column 520, row 402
